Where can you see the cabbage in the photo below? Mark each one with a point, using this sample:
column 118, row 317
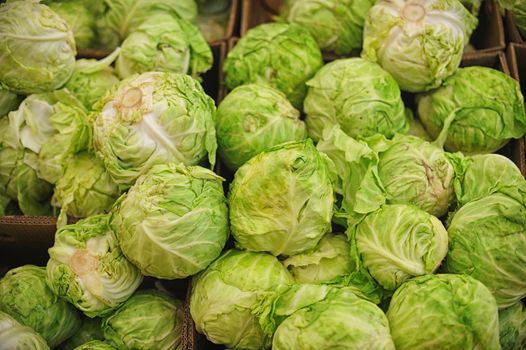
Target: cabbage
column 79, row 19
column 90, row 330
column 38, row 48
column 226, row 294
column 164, row 43
column 253, row 118
column 25, row 296
column 477, row 110
column 512, row 327
column 9, row 101
column 16, row 336
column 488, row 242
column 281, row 200
column 173, row 222
column 443, row 312
column 419, row 42
column 149, row 320
column 373, row 105
column 120, row 18
column 95, row 345
column 87, row 267
column 281, row 55
column 335, row 24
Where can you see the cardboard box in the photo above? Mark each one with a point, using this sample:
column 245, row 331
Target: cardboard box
column 512, row 32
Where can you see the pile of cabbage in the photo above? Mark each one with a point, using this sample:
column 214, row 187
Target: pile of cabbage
column 313, row 208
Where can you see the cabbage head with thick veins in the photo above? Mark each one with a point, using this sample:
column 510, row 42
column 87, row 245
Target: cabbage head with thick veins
column 512, row 327
column 225, row 296
column 173, row 222
column 444, row 312
column 87, row 267
column 281, row 201
column 14, row 335
column 38, row 48
column 153, row 118
column 477, row 110
column 420, row 42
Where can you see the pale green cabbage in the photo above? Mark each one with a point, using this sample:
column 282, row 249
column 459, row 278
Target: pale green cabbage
column 149, row 320
column 95, row 345
column 253, row 118
column 281, row 55
column 164, row 43
column 154, row 118
column 120, row 18
column 25, row 296
column 281, row 200
column 512, row 327
column 477, row 110
column 173, row 222
column 419, row 42
column 89, row 330
column 444, row 312
column 9, row 101
column 79, row 19
column 336, row 25
column 15, row 336
column 356, row 94
column 225, row 296
column 38, row 48
column 87, row 267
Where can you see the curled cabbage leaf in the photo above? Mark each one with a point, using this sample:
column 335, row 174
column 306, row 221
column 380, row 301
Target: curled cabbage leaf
column 149, row 320
column 173, row 222
column 25, row 296
column 443, row 312
column 87, row 267
column 152, row 118
column 281, row 200
column 356, row 94
column 281, row 55
column 253, row 118
column 38, row 48
column 419, row 42
column 164, row 43
column 14, row 335
column 477, row 110
column 336, row 25
column 226, row 294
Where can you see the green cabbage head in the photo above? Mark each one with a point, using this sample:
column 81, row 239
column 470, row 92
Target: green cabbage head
column 419, row 42
column 226, row 294
column 149, row 320
column 512, row 327
column 16, row 336
column 488, row 242
column 95, row 345
column 79, row 19
column 281, row 200
column 89, row 330
column 25, row 296
column 252, row 118
column 444, row 312
column 477, row 110
column 336, row 25
column 356, row 94
column 154, row 118
column 164, row 43
column 173, row 222
column 38, row 48
column 281, row 55
column 87, row 267
column 120, row 18
column 398, row 242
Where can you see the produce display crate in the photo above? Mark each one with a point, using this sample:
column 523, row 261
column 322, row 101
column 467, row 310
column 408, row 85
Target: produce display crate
column 516, row 54
column 488, row 37
column 512, row 32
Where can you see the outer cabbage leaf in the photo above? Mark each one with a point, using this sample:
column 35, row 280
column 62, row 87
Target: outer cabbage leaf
column 477, row 110
column 15, row 336
column 419, row 42
column 512, row 327
column 225, row 296
column 444, row 312
column 149, row 320
column 87, row 267
column 79, row 19
column 253, row 118
column 9, row 101
column 25, row 296
column 373, row 105
column 95, row 345
column 173, row 222
column 281, row 200
column 488, row 242
column 38, row 48
column 281, row 55
column 89, row 330
column 154, row 118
